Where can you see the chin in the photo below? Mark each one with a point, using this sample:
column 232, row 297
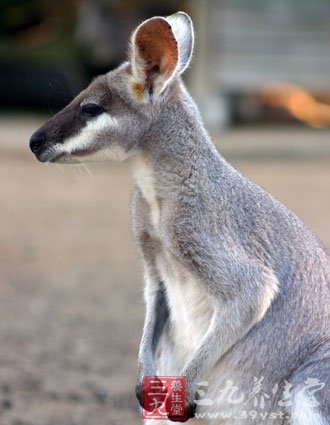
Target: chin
column 67, row 159
column 54, row 156
column 79, row 156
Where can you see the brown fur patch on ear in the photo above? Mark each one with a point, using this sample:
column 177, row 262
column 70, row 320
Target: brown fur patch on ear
column 157, row 47
column 138, row 90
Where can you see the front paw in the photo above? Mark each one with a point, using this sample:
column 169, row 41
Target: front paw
column 190, row 410
column 139, row 392
column 144, row 387
column 190, row 413
column 144, row 370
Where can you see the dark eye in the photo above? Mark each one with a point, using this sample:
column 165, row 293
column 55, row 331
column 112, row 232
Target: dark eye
column 91, row 110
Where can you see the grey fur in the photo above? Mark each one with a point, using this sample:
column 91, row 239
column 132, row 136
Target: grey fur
column 254, row 279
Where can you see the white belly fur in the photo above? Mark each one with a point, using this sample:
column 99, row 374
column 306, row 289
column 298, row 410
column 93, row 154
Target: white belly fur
column 190, row 306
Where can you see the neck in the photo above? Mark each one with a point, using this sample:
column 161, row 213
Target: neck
column 177, row 156
column 177, row 139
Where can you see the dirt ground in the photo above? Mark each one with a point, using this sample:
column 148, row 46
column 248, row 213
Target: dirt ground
column 71, row 308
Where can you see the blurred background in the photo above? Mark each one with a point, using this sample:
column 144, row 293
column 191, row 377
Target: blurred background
column 71, row 309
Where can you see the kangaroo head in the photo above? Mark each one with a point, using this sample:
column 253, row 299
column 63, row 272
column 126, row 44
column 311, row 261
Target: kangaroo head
column 108, row 119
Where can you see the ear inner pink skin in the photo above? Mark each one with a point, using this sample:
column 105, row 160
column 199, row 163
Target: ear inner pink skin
column 158, row 49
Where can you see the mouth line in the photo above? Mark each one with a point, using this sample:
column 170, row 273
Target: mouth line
column 57, row 157
column 49, row 155
column 52, row 155
column 82, row 152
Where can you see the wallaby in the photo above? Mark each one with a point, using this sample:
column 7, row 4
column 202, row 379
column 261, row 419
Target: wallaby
column 236, row 286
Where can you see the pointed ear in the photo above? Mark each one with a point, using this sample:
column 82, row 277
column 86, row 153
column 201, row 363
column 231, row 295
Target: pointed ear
column 183, row 30
column 154, row 56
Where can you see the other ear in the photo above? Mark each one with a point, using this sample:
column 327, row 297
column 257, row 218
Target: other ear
column 183, row 30
column 154, row 56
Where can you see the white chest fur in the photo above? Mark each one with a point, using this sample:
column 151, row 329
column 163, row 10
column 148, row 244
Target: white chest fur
column 144, row 178
column 190, row 305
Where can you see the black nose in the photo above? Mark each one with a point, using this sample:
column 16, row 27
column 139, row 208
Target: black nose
column 37, row 139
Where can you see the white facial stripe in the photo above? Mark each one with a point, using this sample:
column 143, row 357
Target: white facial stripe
column 84, row 140
column 86, row 136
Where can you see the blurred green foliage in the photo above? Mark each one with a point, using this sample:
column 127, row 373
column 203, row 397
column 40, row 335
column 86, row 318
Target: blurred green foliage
column 35, row 29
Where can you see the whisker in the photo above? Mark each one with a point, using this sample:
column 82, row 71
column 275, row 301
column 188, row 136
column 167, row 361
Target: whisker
column 81, row 172
column 75, row 172
column 88, row 171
